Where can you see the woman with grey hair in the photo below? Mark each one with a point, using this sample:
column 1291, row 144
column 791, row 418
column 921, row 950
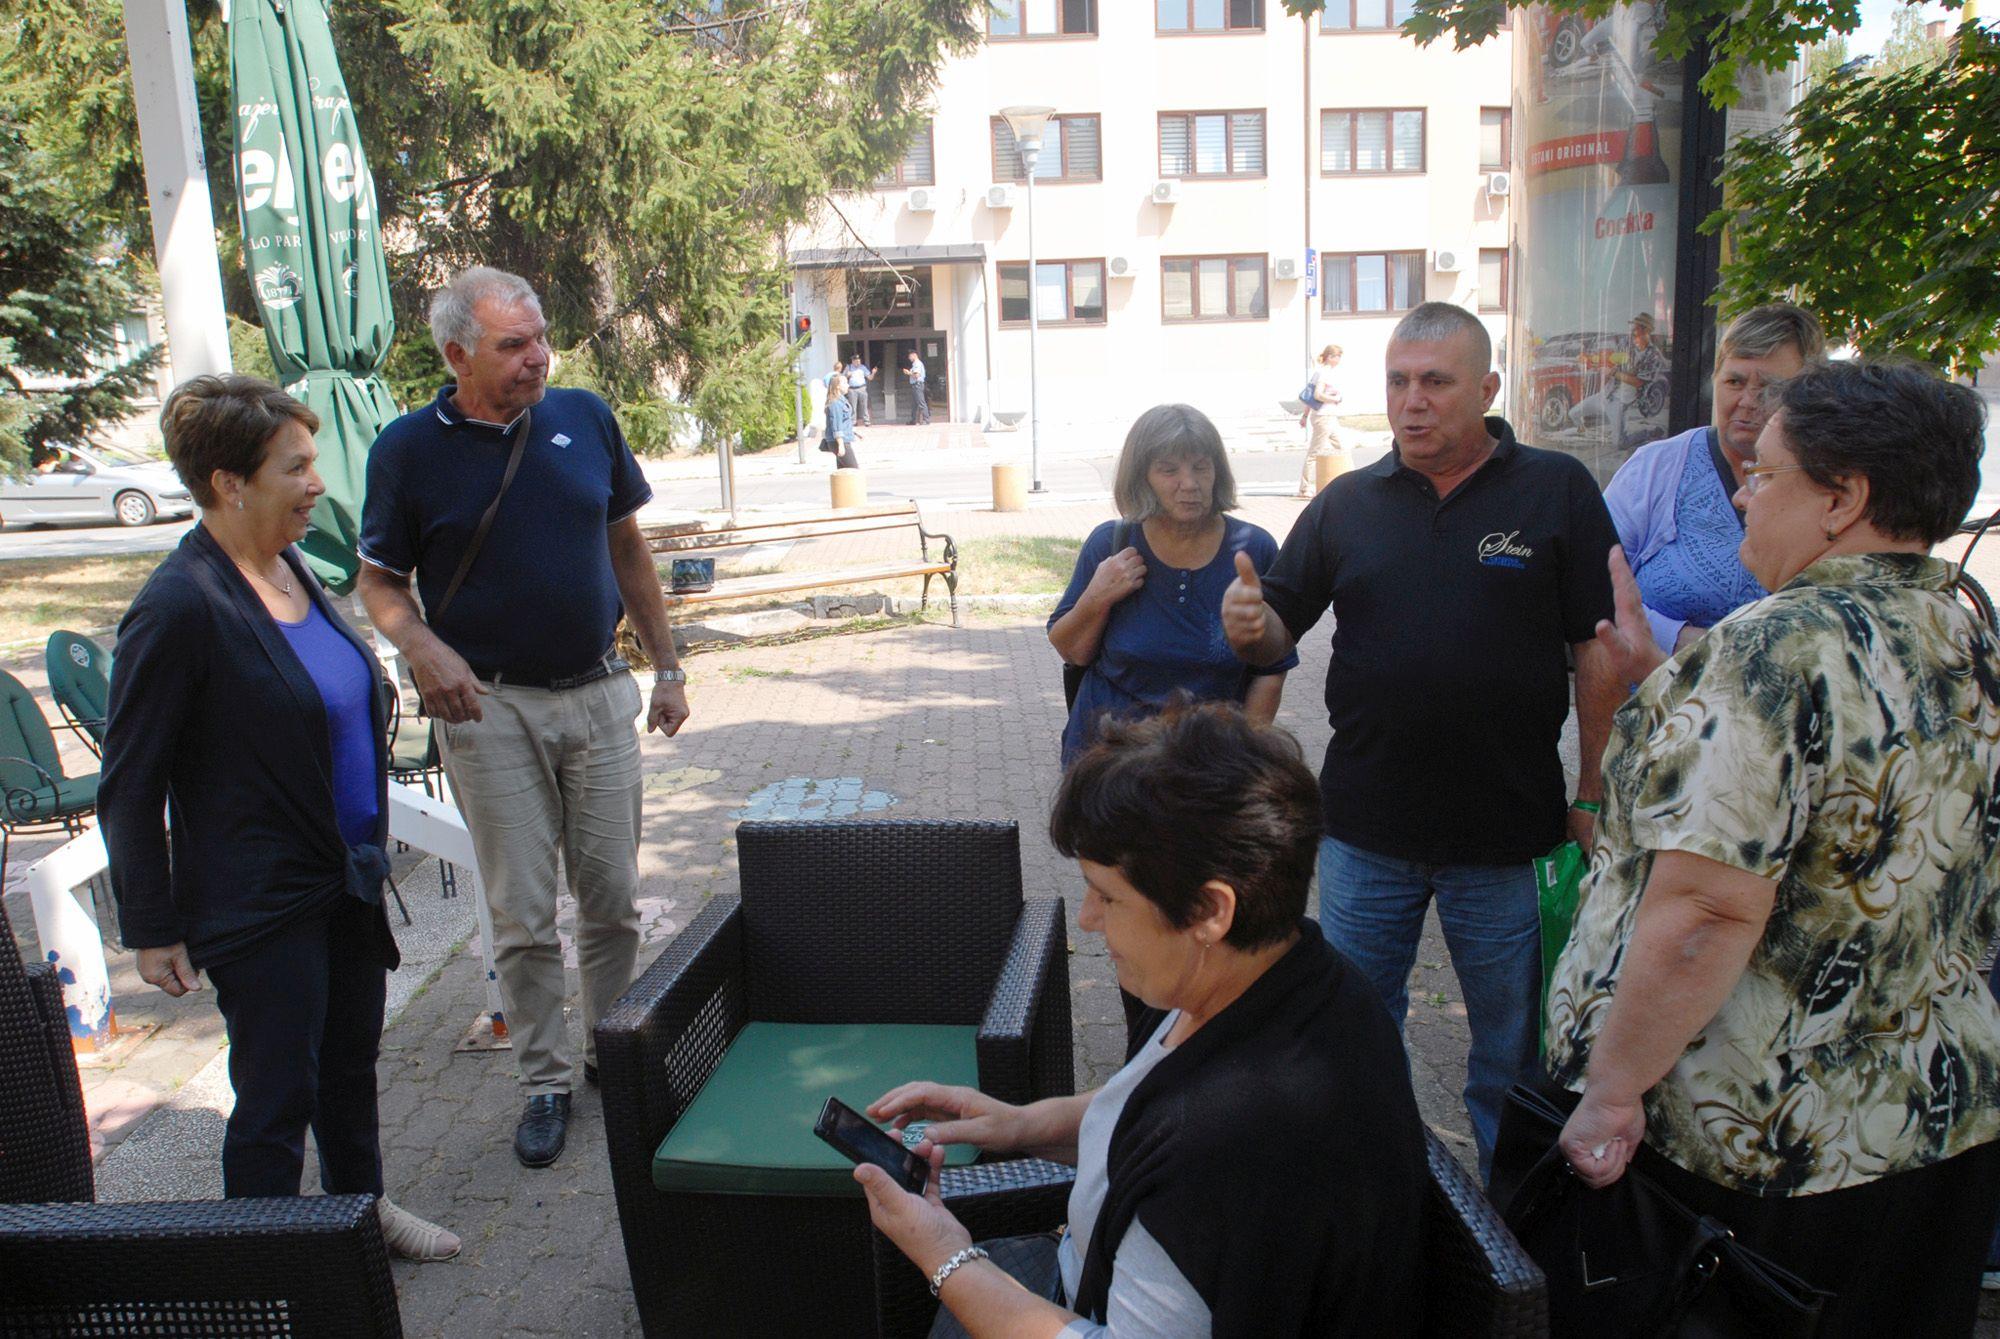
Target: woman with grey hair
column 1143, row 612
column 1671, row 500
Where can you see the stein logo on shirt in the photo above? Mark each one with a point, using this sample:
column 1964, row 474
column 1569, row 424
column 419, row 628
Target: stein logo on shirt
column 1498, row 550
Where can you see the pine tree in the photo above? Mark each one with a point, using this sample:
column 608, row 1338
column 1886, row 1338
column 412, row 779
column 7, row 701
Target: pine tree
column 64, row 287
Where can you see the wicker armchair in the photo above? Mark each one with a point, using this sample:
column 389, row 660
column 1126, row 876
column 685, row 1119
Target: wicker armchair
column 837, row 922
column 240, row 1268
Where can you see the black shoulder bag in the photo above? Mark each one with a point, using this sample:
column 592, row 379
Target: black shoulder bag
column 1073, row 674
column 465, row 561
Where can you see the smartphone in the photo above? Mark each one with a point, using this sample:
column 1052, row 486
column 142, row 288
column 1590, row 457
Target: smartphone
column 861, row 1140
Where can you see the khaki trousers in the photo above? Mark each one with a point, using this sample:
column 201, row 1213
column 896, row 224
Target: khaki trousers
column 547, row 771
column 1325, row 441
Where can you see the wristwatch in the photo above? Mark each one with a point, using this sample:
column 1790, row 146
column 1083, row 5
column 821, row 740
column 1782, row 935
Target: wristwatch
column 670, row 676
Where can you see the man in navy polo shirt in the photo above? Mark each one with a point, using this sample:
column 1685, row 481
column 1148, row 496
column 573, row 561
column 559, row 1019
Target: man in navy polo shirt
column 1457, row 568
column 533, row 707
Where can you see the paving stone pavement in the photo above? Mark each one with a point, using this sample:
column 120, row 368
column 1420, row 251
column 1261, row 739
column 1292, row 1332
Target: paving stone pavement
column 951, row 724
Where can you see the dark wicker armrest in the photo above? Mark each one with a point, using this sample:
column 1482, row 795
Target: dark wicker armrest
column 1477, row 1279
column 209, row 1268
column 658, row 1046
column 1025, row 1043
column 60, row 1147
column 993, row 1199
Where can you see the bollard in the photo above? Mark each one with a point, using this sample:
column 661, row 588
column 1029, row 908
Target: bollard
column 1329, row 467
column 1009, row 494
column 850, row 488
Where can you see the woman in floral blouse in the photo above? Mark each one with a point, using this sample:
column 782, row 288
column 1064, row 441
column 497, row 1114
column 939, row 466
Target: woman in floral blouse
column 1773, row 978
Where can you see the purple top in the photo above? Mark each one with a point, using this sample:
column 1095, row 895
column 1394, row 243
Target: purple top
column 1681, row 535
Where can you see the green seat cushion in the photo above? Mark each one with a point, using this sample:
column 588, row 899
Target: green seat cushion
column 32, row 803
column 750, row 1129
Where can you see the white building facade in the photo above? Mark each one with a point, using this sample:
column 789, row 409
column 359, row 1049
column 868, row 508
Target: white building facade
column 1223, row 191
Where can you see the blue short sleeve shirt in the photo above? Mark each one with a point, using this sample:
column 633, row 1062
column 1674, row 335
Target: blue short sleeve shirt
column 541, row 599
column 1165, row 636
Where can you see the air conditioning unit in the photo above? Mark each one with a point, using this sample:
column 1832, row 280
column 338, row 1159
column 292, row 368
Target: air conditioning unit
column 1166, row 192
column 1000, row 195
column 923, row 201
column 1120, row 267
column 1447, row 260
column 1499, row 184
column 1288, row 267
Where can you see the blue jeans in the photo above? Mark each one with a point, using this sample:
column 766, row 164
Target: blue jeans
column 1372, row 909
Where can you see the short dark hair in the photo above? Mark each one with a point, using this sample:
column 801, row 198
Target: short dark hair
column 225, row 423
column 1192, row 794
column 1169, row 432
column 1914, row 436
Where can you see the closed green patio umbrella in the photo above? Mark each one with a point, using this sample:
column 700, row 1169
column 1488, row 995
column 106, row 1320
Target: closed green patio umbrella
column 312, row 242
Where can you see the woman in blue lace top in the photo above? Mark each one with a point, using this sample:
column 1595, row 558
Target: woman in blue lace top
column 1672, row 500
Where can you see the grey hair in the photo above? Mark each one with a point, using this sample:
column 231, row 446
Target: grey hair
column 1169, row 432
column 1436, row 322
column 452, row 321
column 1765, row 329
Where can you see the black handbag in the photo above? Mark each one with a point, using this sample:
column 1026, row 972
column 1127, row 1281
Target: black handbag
column 1631, row 1259
column 1073, row 674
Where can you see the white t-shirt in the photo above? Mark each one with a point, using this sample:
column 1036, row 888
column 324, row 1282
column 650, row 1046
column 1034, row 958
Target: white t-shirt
column 1150, row 1298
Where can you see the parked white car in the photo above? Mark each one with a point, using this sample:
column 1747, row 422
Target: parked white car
column 94, row 483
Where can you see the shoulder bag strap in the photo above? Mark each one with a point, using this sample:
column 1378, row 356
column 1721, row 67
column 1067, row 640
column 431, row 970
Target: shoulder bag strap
column 486, row 521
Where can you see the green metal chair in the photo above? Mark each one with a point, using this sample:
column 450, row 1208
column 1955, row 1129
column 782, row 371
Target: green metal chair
column 80, row 681
column 35, row 795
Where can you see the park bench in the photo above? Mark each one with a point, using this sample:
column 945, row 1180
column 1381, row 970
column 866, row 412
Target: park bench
column 692, row 539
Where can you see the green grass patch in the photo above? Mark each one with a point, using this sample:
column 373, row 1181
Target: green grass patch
column 1365, row 422
column 39, row 595
column 1017, row 564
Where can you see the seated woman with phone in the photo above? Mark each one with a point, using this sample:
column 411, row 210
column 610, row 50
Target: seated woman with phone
column 1257, row 1167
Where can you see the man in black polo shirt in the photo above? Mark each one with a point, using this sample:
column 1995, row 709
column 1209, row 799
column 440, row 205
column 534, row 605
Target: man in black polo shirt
column 534, row 709
column 1457, row 568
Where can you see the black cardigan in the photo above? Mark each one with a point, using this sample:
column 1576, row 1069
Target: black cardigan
column 1278, row 1158
column 214, row 720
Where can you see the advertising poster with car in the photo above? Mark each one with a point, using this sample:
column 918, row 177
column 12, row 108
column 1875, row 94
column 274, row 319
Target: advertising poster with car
column 1599, row 117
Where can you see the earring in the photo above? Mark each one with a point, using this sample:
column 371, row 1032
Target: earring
column 1830, row 535
column 239, row 507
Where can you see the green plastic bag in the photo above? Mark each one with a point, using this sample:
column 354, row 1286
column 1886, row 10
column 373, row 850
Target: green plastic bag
column 1558, row 877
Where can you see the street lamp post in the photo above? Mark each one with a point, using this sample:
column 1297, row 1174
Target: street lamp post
column 1027, row 123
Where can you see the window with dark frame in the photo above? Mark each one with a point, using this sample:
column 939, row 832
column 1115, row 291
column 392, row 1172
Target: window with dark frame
column 1493, row 268
column 918, row 168
column 1496, row 127
column 1208, row 16
column 1070, row 151
column 1041, row 18
column 1066, row 292
column 1212, row 144
column 1214, row 288
column 1360, row 142
column 1365, row 16
column 1371, row 283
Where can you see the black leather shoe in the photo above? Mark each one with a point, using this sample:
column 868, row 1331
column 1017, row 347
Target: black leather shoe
column 590, row 1073
column 538, row 1139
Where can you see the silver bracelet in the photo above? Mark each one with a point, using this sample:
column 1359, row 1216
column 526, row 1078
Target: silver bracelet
column 944, row 1272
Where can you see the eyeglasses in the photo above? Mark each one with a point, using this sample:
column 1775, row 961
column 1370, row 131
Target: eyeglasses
column 1754, row 475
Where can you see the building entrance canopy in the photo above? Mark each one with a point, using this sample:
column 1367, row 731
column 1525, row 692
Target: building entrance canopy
column 862, row 258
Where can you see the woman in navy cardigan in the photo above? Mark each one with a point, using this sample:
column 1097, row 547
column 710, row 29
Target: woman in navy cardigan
column 245, row 713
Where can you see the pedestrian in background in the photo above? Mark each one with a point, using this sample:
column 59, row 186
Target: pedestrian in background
column 858, row 376
column 1673, row 501
column 839, row 438
column 245, row 803
column 1143, row 607
column 1773, row 980
column 1322, row 418
column 920, row 403
column 514, row 653
column 1462, row 569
